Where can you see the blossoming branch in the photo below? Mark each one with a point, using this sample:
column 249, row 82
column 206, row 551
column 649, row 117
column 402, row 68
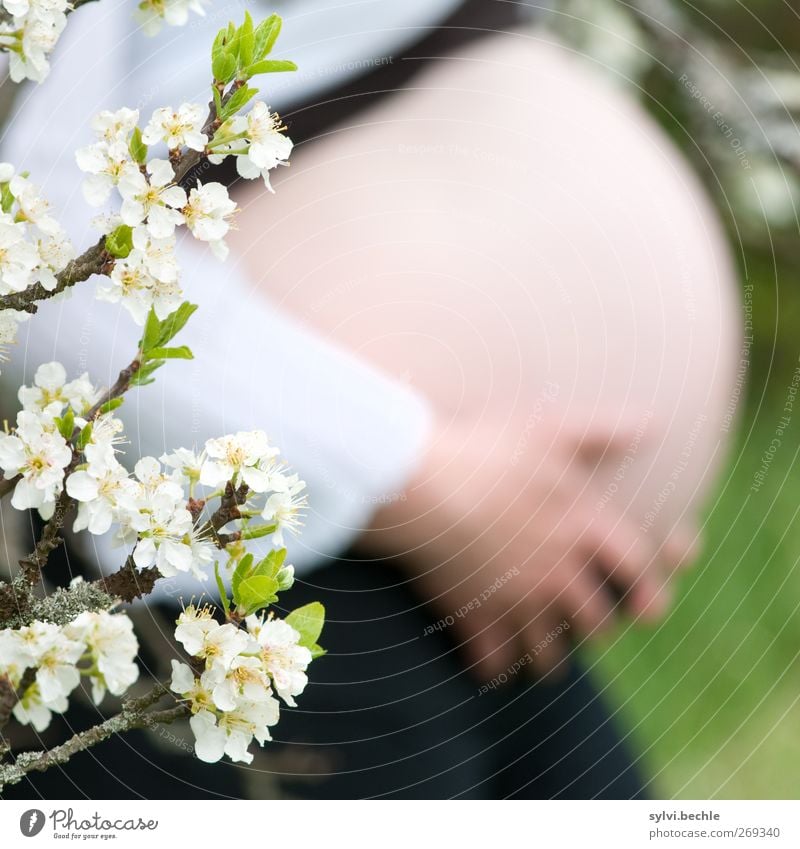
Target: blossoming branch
column 189, row 511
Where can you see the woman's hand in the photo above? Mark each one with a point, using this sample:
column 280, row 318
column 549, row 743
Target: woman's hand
column 505, row 540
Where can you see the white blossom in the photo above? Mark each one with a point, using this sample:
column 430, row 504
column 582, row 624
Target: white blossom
column 115, row 126
column 56, row 674
column 245, row 457
column 106, row 163
column 31, row 709
column 187, row 464
column 179, row 128
column 284, row 658
column 40, row 454
column 32, row 35
column 151, row 14
column 9, row 324
column 51, row 392
column 99, row 489
column 284, row 506
column 208, row 213
column 133, row 284
column 112, row 646
column 55, row 252
column 153, row 199
column 246, row 679
column 18, row 257
column 268, row 145
column 32, row 206
column 102, row 641
column 204, row 637
column 157, row 255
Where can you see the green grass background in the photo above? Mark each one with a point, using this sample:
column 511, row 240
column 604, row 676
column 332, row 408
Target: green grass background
column 712, row 695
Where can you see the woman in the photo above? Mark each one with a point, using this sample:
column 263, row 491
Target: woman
column 547, row 300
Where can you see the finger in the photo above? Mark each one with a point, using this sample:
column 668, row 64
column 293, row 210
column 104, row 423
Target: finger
column 631, row 563
column 488, row 646
column 682, row 547
column 588, row 604
column 610, row 434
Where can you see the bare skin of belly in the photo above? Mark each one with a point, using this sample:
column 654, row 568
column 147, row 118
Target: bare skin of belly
column 519, row 242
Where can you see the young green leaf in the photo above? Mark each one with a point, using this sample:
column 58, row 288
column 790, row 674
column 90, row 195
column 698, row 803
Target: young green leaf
column 223, row 593
column 6, row 197
column 308, row 621
column 256, row 592
column 240, row 98
column 85, row 436
column 137, row 147
column 152, row 330
column 217, row 99
column 66, row 423
column 180, row 353
column 266, row 34
column 242, row 571
column 272, row 564
column 144, row 375
column 270, row 66
column 223, row 67
column 119, row 242
column 110, row 405
column 175, row 322
column 246, row 41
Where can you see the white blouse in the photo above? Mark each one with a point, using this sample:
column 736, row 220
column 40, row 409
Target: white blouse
column 352, row 433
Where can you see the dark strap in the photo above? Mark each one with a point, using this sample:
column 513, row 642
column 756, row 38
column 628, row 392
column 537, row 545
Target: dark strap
column 473, row 20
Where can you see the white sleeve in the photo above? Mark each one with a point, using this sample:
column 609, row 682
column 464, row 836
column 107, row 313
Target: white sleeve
column 352, row 434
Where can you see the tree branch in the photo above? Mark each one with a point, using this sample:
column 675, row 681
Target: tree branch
column 133, row 715
column 82, row 268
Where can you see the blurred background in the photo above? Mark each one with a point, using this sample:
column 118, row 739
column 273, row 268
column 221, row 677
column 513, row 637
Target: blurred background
column 713, row 695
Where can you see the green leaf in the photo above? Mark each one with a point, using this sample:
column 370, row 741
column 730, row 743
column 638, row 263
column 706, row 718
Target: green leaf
column 308, row 621
column 223, row 593
column 256, row 592
column 223, row 67
column 218, row 46
column 237, row 100
column 232, row 49
column 85, row 437
column 270, row 66
column 144, row 375
column 217, row 99
column 271, row 565
column 6, row 198
column 180, row 353
column 66, row 423
column 158, row 333
column 152, row 329
column 317, row 651
column 175, row 322
column 242, row 571
column 246, row 41
column 259, row 531
column 119, row 242
column 266, row 35
column 110, row 405
column 137, row 147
